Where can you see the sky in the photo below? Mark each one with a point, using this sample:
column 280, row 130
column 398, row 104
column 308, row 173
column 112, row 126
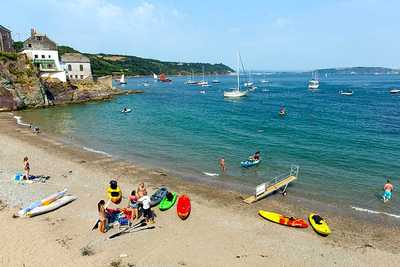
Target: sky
column 270, row 34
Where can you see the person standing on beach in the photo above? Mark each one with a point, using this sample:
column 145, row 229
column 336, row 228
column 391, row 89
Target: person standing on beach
column 222, row 164
column 388, row 187
column 141, row 190
column 27, row 168
column 147, row 213
column 101, row 207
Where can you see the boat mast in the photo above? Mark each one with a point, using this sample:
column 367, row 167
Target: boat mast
column 238, row 71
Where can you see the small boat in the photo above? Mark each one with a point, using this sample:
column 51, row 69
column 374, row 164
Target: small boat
column 249, row 163
column 319, row 224
column 346, row 93
column 122, row 80
column 202, row 92
column 264, row 81
column 158, row 195
column 283, row 220
column 216, row 81
column 183, row 207
column 191, row 81
column 313, row 84
column 394, row 91
column 248, row 84
column 203, row 82
column 52, row 206
column 168, row 201
column 126, row 110
column 235, row 93
column 163, row 78
column 155, row 77
column 252, row 88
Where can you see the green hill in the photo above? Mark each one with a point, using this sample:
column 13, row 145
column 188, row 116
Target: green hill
column 105, row 64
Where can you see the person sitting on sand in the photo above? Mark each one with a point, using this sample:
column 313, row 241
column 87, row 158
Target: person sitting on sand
column 141, row 190
column 388, row 187
column 102, row 216
column 147, row 213
column 222, row 164
column 133, row 205
column 27, row 168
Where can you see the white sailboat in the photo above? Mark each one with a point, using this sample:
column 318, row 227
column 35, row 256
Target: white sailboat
column 203, row 82
column 191, row 81
column 234, row 93
column 155, row 77
column 122, row 80
column 313, row 84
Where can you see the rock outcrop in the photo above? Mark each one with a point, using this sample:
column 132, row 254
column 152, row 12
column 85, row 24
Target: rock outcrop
column 22, row 88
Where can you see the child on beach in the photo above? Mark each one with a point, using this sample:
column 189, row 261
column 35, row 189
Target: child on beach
column 147, row 213
column 26, row 168
column 102, row 216
column 133, row 205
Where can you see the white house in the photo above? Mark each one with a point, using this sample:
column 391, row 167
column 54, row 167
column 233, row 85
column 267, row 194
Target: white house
column 44, row 55
column 76, row 66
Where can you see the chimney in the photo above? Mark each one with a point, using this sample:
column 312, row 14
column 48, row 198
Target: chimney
column 33, row 32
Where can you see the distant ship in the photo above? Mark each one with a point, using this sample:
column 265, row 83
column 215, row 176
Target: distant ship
column 313, row 84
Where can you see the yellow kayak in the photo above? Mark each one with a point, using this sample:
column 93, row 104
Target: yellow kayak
column 284, row 220
column 319, row 224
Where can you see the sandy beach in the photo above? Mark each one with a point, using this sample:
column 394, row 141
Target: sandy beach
column 221, row 230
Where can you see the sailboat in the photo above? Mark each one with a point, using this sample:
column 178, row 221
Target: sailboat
column 216, row 79
column 249, row 83
column 191, row 81
column 203, row 82
column 264, row 80
column 234, row 93
column 313, row 84
column 155, row 77
column 122, row 80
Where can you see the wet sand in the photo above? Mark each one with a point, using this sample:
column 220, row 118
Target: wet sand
column 221, row 231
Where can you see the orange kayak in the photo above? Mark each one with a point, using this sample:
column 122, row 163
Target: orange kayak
column 284, row 220
column 183, row 207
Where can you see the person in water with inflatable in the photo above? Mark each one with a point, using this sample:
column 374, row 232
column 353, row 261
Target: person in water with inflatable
column 255, row 157
column 388, row 187
column 282, row 111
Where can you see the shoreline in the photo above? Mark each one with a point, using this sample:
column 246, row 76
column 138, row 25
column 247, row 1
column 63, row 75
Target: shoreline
column 349, row 236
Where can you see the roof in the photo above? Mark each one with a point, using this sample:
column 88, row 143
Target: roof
column 74, row 57
column 4, row 28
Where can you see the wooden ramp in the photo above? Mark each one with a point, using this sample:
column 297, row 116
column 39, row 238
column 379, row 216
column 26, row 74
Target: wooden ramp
column 275, row 184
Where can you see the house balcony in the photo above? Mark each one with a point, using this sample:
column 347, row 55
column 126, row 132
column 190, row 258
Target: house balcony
column 45, row 64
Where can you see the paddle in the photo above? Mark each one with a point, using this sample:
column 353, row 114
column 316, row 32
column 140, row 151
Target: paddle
column 126, row 230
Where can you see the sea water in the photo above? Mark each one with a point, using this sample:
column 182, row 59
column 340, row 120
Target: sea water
column 345, row 146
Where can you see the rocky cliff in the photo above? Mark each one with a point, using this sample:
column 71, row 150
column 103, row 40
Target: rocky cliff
column 21, row 87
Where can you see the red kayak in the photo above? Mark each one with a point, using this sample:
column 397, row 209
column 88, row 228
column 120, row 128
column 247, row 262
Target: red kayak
column 183, row 207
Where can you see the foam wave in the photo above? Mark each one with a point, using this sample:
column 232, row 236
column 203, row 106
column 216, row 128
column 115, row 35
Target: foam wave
column 96, row 151
column 376, row 212
column 20, row 122
column 210, row 174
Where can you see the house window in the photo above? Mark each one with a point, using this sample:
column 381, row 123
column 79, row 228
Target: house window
column 69, row 67
column 39, row 38
column 81, row 77
column 49, row 56
column 81, row 67
column 36, row 56
column 76, row 76
column 43, row 56
column 71, row 76
column 29, row 45
column 50, row 66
